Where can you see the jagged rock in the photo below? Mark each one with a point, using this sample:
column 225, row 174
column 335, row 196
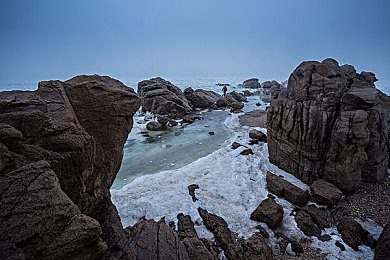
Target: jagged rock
column 154, row 240
column 235, row 248
column 163, row 98
column 330, row 123
column 247, row 151
column 318, row 215
column 382, row 249
column 306, row 224
column 254, row 118
column 311, row 220
column 235, row 145
column 266, row 89
column 269, row 212
column 262, row 231
column 191, row 191
column 341, row 246
column 251, row 83
column 352, row 233
column 325, row 193
column 257, row 135
column 287, row 190
column 195, row 247
column 155, row 126
column 70, row 135
column 203, row 98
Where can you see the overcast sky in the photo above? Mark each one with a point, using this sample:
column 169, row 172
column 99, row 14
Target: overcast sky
column 192, row 38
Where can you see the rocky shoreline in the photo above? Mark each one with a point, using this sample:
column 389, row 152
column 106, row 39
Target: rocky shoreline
column 61, row 147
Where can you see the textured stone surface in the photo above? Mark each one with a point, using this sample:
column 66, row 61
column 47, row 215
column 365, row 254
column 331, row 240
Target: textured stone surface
column 382, row 250
column 235, row 248
column 251, row 83
column 161, row 97
column 287, row 190
column 352, row 233
column 269, row 212
column 254, row 118
column 203, row 98
column 330, row 123
column 258, row 135
column 311, row 220
column 324, row 192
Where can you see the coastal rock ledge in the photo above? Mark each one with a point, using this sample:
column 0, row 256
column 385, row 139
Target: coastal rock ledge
column 60, row 149
column 330, row 123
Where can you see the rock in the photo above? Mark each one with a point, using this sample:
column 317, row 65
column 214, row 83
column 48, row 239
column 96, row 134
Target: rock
column 154, row 240
column 188, row 119
column 251, row 83
column 203, row 98
column 258, row 104
column 236, row 105
column 172, row 122
column 191, row 191
column 262, row 230
column 236, row 96
column 296, row 247
column 253, row 141
column 306, row 224
column 247, row 93
column 269, row 212
column 163, row 98
column 63, row 145
column 221, row 102
column 341, row 246
column 234, row 247
column 318, row 215
column 325, row 193
column 257, row 135
column 235, row 145
column 247, row 151
column 330, row 123
column 382, row 249
column 352, row 233
column 285, row 189
column 266, row 90
column 155, row 126
column 195, row 247
column 311, row 220
column 254, row 118
column 163, row 120
column 211, row 133
column 325, row 237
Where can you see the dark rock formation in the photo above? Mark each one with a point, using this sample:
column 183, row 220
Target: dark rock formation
column 325, row 193
column 155, row 126
column 352, row 233
column 258, row 135
column 191, row 191
column 287, row 190
column 247, row 151
column 262, row 231
column 60, row 149
column 161, row 97
column 311, row 220
column 235, row 96
column 251, row 83
column 330, row 123
column 382, row 249
column 269, row 212
column 235, row 145
column 266, row 89
column 254, row 118
column 203, row 98
column 196, row 249
column 341, row 246
column 154, row 240
column 235, row 248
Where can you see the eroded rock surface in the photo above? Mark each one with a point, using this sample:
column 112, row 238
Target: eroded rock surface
column 330, row 123
column 251, row 83
column 325, row 193
column 269, row 212
column 203, row 98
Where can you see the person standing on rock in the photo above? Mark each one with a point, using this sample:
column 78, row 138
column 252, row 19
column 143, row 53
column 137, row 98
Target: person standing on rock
column 224, row 89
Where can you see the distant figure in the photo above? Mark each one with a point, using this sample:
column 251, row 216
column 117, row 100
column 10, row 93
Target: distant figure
column 224, row 89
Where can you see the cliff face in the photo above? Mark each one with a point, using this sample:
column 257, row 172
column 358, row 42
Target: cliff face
column 60, row 149
column 330, row 123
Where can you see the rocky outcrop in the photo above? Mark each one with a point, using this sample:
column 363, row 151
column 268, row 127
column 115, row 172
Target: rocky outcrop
column 311, row 220
column 251, row 83
column 203, row 98
column 161, row 97
column 269, row 212
column 266, row 89
column 353, row 234
column 330, row 123
column 60, row 149
column 254, row 118
column 382, row 249
column 325, row 193
column 287, row 190
column 258, row 135
column 235, row 248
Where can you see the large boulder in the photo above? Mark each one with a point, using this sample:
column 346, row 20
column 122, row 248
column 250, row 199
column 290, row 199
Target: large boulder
column 352, row 233
column 254, row 118
column 330, row 123
column 382, row 249
column 324, row 192
column 311, row 220
column 203, row 98
column 287, row 190
column 161, row 97
column 251, row 83
column 269, row 212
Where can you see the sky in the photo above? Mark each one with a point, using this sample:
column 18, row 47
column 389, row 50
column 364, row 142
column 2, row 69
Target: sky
column 49, row 39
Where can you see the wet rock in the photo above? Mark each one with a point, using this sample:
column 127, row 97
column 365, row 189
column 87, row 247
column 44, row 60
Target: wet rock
column 234, row 247
column 163, row 98
column 382, row 249
column 269, row 212
column 235, row 145
column 247, row 151
column 254, row 118
column 330, row 123
column 285, row 189
column 325, row 193
column 203, row 98
column 155, row 126
column 352, row 233
column 251, row 83
column 258, row 135
column 262, row 231
column 195, row 247
column 191, row 191
column 188, row 119
column 340, row 245
column 154, row 240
